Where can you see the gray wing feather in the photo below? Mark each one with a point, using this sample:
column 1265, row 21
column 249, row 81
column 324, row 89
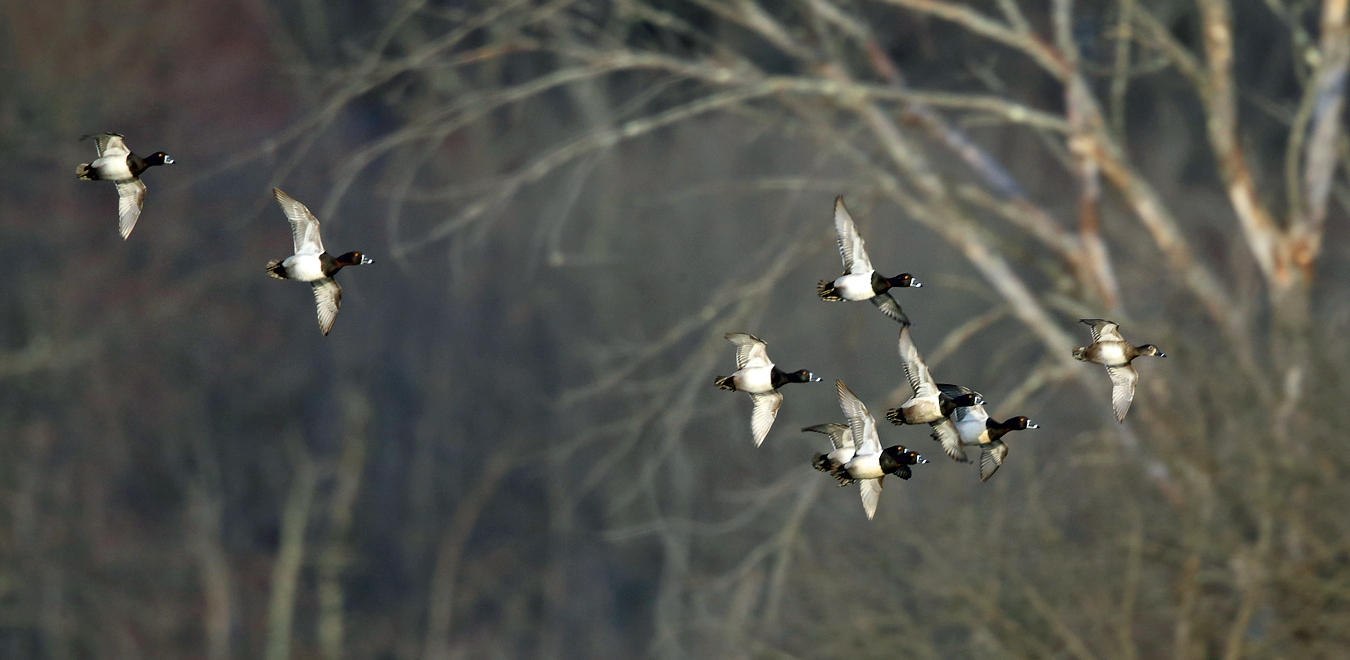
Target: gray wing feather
column 860, row 422
column 130, row 199
column 888, row 306
column 327, row 299
column 915, row 370
column 1103, row 330
column 1122, row 389
column 841, row 436
column 991, row 458
column 870, row 489
column 851, row 248
column 304, row 226
column 750, row 350
column 945, row 432
column 762, row 415
column 110, row 144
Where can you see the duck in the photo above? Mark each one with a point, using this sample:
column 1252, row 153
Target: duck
column 757, row 376
column 857, row 456
column 930, row 404
column 860, row 281
column 311, row 263
column 976, row 428
column 1109, row 348
column 118, row 164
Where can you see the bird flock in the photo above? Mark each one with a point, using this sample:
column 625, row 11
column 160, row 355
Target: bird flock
column 955, row 414
column 310, row 262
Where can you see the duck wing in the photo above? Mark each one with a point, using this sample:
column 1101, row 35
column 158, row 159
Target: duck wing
column 327, row 299
column 1103, row 330
column 991, row 458
column 764, row 412
column 916, row 372
column 886, row 303
column 841, row 436
column 860, row 422
column 850, row 242
column 1122, row 389
column 109, row 144
column 130, row 199
column 304, row 226
column 944, row 431
column 870, row 489
column 751, row 351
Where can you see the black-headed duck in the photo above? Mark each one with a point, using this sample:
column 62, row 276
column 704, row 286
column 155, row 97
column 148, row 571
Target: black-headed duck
column 857, row 455
column 929, row 405
column 116, row 163
column 311, row 263
column 977, row 429
column 757, row 376
column 1111, row 350
column 860, row 281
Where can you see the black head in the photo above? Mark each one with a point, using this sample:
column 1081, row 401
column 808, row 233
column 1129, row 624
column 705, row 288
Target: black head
column 968, row 399
column 158, row 158
column 353, row 259
column 1150, row 349
column 904, row 456
column 802, row 376
column 904, row 279
column 1019, row 423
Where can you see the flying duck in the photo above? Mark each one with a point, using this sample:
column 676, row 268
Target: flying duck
column 1110, row 349
column 860, row 281
column 757, row 376
column 116, row 163
column 857, row 455
column 311, row 263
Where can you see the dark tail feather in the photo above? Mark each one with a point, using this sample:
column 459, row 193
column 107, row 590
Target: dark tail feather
column 724, row 383
column 825, row 289
column 275, row 269
column 834, row 469
column 85, row 173
column 895, row 417
column 1080, row 353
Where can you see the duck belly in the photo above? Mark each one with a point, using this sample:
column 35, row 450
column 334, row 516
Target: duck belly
column 1110, row 353
column 920, row 411
column 112, row 168
column 971, row 431
column 865, row 467
column 756, row 380
column 303, row 267
column 857, row 286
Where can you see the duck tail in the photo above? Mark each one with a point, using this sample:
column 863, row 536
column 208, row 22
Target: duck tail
column 85, row 173
column 895, row 417
column 1080, row 353
column 724, row 383
column 825, row 289
column 823, row 463
column 275, row 269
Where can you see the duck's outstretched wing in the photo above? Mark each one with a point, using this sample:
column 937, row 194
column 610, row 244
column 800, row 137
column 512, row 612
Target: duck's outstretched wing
column 751, row 351
column 130, row 199
column 304, row 226
column 764, row 412
column 1123, row 379
column 916, row 372
column 870, row 490
column 851, row 248
column 841, row 436
column 888, row 306
column 109, row 144
column 944, row 431
column 327, row 299
column 860, row 422
column 991, row 458
column 1103, row 330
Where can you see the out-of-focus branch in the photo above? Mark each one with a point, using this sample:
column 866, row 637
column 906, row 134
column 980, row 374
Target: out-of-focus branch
column 1319, row 167
column 290, row 556
column 987, row 27
column 334, row 558
column 1220, row 98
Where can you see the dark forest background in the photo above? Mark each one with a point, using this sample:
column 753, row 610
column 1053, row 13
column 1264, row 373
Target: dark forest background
column 510, row 445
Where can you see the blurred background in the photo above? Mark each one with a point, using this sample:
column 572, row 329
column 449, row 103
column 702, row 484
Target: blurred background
column 510, row 445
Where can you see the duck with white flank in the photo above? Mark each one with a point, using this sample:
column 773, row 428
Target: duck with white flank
column 757, row 376
column 116, row 163
column 857, row 455
column 977, row 429
column 311, row 263
column 930, row 404
column 860, row 281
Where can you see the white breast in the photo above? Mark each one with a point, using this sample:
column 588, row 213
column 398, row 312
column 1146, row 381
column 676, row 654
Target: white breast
column 865, row 467
column 1112, row 352
column 754, row 379
column 112, row 168
column 303, row 267
column 854, row 287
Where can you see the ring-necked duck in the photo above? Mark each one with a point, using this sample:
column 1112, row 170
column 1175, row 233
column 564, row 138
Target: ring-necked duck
column 1110, row 349
column 977, row 429
column 860, row 281
column 930, row 404
column 757, row 376
column 311, row 263
column 857, row 455
column 116, row 163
